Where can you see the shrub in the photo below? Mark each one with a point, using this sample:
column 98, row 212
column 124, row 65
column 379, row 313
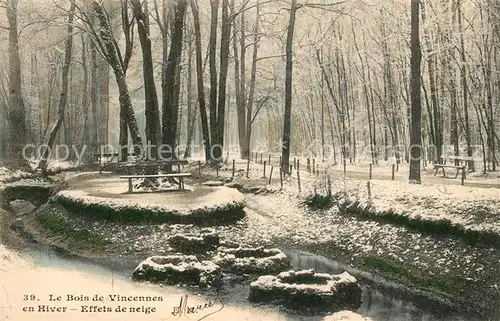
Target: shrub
column 318, row 201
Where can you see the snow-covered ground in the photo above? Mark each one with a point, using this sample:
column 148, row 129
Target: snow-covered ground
column 28, row 282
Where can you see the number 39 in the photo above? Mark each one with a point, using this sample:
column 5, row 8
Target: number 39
column 30, row 297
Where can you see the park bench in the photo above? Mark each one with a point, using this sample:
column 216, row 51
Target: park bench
column 180, row 176
column 460, row 164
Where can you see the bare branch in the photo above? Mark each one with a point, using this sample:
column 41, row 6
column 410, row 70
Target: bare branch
column 271, row 57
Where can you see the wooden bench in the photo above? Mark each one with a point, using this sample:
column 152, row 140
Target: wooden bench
column 180, row 176
column 461, row 164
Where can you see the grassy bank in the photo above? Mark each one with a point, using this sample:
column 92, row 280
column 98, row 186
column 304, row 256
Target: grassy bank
column 440, row 227
column 49, row 226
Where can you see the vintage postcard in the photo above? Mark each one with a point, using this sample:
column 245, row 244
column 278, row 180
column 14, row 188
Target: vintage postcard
column 295, row 160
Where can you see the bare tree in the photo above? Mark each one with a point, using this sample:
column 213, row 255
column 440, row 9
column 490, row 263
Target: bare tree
column 16, row 110
column 169, row 85
column 200, row 86
column 153, row 125
column 64, row 90
column 285, row 157
column 416, row 58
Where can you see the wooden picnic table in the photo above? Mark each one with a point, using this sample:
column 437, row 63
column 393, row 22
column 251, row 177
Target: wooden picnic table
column 154, row 164
column 180, row 176
column 459, row 163
column 133, row 166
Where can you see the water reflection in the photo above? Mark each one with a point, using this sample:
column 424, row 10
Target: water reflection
column 379, row 303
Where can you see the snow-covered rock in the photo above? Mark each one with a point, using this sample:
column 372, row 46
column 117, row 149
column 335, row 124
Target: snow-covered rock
column 308, row 289
column 21, row 207
column 194, row 243
column 177, row 269
column 345, row 316
column 252, row 260
column 212, row 183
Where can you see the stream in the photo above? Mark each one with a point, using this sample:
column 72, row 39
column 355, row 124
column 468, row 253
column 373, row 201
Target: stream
column 382, row 300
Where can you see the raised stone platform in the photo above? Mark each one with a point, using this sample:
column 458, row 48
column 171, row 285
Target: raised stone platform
column 106, row 197
column 177, row 269
column 308, row 289
column 252, row 260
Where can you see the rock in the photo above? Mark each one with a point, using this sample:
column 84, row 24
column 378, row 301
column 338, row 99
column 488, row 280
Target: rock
column 227, row 180
column 177, row 269
column 229, row 244
column 21, row 207
column 308, row 289
column 212, row 183
column 190, row 244
column 252, row 260
column 235, row 185
column 345, row 316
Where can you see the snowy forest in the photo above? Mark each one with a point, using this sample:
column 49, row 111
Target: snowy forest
column 299, row 160
column 329, row 79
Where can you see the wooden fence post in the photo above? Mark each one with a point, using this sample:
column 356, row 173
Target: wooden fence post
column 308, row 167
column 269, row 161
column 393, row 168
column 271, row 175
column 329, row 183
column 314, row 165
column 294, row 163
column 233, row 167
column 368, row 186
column 371, row 167
column 261, row 158
column 281, row 178
column 264, row 176
column 217, row 170
column 199, row 167
column 298, row 165
column 248, row 167
column 291, row 169
column 463, row 176
column 298, row 180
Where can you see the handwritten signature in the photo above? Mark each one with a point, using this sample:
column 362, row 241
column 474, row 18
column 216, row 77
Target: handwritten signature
column 185, row 309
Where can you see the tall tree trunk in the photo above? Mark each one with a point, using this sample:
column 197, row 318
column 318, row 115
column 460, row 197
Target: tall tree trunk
column 93, row 137
column 452, row 88
column 415, row 132
column 240, row 96
column 85, row 100
column 212, row 45
column 436, row 122
column 224, row 65
column 64, row 90
column 151, row 99
column 251, row 92
column 199, row 77
column 113, row 57
column 16, row 114
column 169, row 85
column 285, row 157
column 191, row 115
